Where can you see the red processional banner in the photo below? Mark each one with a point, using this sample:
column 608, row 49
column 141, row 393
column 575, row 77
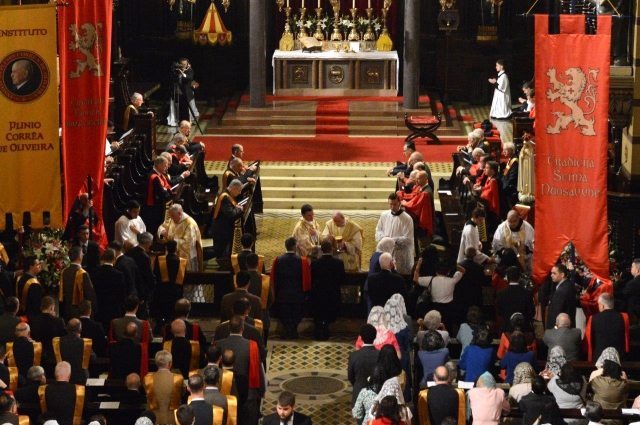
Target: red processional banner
column 84, row 33
column 572, row 103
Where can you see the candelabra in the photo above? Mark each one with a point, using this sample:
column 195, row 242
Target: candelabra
column 318, row 34
column 286, row 41
column 303, row 29
column 384, row 43
column 353, row 35
column 336, row 35
column 369, row 35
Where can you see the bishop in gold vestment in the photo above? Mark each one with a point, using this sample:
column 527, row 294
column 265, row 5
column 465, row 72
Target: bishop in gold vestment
column 183, row 229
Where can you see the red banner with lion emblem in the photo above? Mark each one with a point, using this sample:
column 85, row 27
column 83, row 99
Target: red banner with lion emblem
column 84, row 33
column 572, row 103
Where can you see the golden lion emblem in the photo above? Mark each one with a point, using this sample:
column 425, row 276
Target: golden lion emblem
column 85, row 41
column 577, row 86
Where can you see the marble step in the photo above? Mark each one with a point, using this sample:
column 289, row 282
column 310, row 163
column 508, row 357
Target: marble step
column 340, row 192
column 328, row 181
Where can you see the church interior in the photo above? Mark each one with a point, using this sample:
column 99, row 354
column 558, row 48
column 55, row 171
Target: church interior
column 382, row 159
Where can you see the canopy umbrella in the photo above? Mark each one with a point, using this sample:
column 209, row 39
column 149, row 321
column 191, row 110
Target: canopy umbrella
column 212, row 29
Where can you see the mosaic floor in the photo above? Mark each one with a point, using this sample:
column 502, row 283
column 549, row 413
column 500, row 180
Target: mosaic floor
column 317, row 373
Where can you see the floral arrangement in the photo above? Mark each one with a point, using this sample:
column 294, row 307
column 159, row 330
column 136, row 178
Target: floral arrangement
column 363, row 23
column 46, row 245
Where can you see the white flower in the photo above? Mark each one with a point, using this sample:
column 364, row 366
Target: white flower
column 377, row 27
column 308, row 24
column 299, row 23
column 323, row 25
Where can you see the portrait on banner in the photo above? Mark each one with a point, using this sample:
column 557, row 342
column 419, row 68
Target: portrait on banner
column 25, row 76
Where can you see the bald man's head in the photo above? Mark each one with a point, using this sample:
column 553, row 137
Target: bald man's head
column 178, row 328
column 441, row 374
column 563, row 321
column 21, row 71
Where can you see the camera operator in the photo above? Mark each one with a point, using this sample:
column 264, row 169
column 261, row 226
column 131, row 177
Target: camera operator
column 183, row 104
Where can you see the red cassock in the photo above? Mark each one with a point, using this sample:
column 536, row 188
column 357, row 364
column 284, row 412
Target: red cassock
column 491, row 194
column 420, row 208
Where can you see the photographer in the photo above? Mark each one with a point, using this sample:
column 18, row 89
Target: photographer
column 183, row 104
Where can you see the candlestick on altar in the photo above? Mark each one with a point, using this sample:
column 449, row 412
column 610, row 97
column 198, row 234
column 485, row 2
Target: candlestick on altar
column 369, row 35
column 353, row 34
column 336, row 35
column 384, row 43
column 303, row 28
column 318, row 34
column 286, row 41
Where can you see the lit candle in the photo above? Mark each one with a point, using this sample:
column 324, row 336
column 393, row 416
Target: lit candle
column 287, row 3
column 369, row 4
column 302, row 4
column 353, row 4
column 319, row 5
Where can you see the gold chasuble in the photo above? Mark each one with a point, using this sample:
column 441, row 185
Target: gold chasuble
column 187, row 234
column 351, row 235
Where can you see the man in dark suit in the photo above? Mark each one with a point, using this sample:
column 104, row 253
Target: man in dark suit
column 8, row 320
column 169, row 270
column 201, row 409
column 243, row 279
column 91, row 329
column 117, row 327
column 90, row 249
column 563, row 299
column 194, row 333
column 562, row 334
column 28, row 289
column 443, row 399
column 76, row 285
column 468, row 291
column 8, row 410
column 212, row 394
column 74, row 350
column 24, row 78
column 327, row 276
column 45, row 327
column 291, row 282
column 608, row 328
column 540, row 406
column 110, row 289
column 241, row 308
column 260, row 286
column 126, row 354
column 60, row 397
column 631, row 290
column 128, row 267
column 239, row 260
column 140, row 255
column 514, row 299
column 362, row 361
column 385, row 283
column 285, row 410
column 248, row 371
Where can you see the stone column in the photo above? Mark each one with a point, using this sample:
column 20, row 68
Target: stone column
column 631, row 136
column 411, row 71
column 257, row 53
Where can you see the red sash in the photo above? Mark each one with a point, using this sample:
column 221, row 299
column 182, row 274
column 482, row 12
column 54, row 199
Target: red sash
column 306, row 274
column 587, row 336
column 254, row 365
column 163, row 181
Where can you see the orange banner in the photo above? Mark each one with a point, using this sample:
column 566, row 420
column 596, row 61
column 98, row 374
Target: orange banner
column 29, row 140
column 572, row 105
column 84, row 35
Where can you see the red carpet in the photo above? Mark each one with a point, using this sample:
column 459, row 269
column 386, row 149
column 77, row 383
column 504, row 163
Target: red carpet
column 332, row 117
column 271, row 98
column 324, row 148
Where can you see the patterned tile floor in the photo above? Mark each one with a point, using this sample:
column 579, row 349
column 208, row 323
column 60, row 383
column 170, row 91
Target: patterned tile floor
column 317, row 373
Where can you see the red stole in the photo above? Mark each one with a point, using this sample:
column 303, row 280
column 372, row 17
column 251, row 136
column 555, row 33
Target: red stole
column 254, row 366
column 491, row 195
column 421, row 209
column 163, row 181
column 306, row 274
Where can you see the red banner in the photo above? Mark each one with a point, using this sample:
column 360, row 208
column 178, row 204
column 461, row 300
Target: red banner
column 84, row 33
column 572, row 103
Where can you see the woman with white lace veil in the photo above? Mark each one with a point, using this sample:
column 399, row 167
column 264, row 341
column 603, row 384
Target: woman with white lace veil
column 399, row 325
column 379, row 319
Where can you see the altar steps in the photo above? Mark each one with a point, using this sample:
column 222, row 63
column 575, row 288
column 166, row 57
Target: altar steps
column 344, row 186
column 302, row 118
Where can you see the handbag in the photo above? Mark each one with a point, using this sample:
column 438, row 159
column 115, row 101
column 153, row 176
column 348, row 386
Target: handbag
column 425, row 296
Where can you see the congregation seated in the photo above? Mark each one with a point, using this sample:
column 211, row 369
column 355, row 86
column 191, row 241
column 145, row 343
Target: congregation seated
column 441, row 400
column 540, row 404
column 570, row 339
column 432, row 354
column 478, row 357
column 9, row 411
column 28, row 392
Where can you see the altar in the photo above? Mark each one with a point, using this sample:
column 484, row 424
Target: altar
column 331, row 73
